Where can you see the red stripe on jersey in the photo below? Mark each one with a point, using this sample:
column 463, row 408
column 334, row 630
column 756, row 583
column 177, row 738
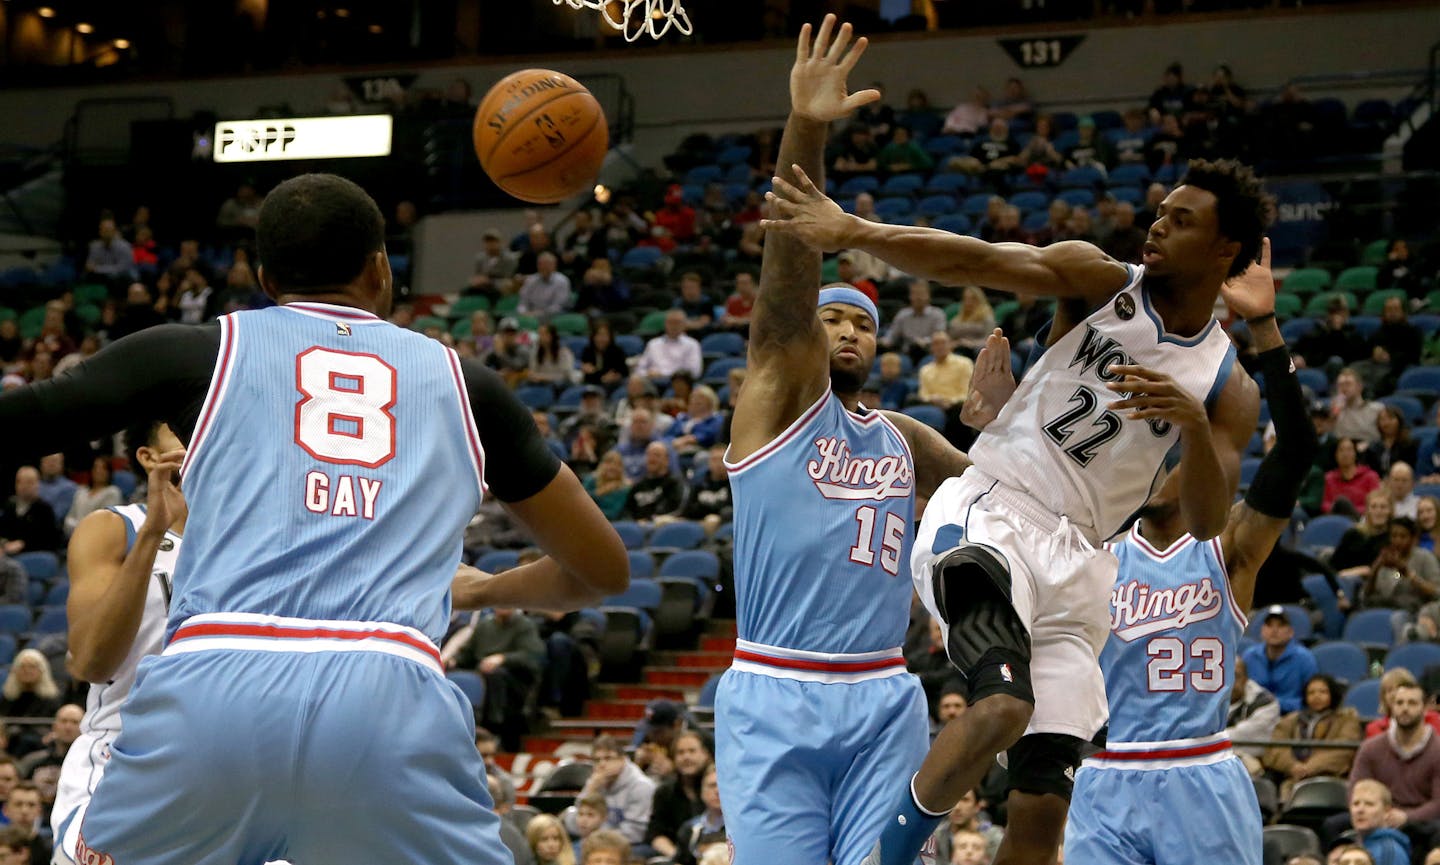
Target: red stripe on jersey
column 1168, row 753
column 280, row 632
column 820, row 666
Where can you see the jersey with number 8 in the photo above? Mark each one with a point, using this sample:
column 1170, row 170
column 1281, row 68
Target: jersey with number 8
column 1056, row 438
column 1174, row 636
column 823, row 520
column 338, row 450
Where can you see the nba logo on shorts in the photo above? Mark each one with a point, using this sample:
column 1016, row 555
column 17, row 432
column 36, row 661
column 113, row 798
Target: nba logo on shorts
column 1006, row 674
column 929, row 853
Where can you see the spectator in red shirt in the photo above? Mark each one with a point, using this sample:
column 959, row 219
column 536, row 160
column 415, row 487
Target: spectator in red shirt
column 845, row 269
column 740, row 304
column 676, row 216
column 1388, row 683
column 143, row 249
column 1347, row 485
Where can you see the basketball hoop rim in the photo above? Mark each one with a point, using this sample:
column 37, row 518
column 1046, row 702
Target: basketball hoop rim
column 657, row 18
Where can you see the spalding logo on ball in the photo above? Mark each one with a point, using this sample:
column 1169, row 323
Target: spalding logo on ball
column 541, row 136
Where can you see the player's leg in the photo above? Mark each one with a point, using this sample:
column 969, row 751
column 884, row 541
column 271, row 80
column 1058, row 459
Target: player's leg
column 387, row 770
column 191, row 780
column 1042, row 768
column 888, row 741
column 771, row 760
column 83, row 767
column 1108, row 819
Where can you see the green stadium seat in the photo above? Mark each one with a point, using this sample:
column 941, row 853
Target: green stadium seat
column 88, row 313
column 1286, row 306
column 1375, row 301
column 1356, row 279
column 952, row 309
column 1306, row 280
column 1374, row 254
column 425, row 322
column 652, row 324
column 469, row 303
column 571, row 324
column 461, row 329
column 528, row 322
column 507, row 304
column 6, row 313
column 91, row 293
column 32, row 321
column 1316, row 305
column 1005, row 310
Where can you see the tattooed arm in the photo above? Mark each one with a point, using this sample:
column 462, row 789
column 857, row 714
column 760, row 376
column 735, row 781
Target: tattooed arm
column 788, row 358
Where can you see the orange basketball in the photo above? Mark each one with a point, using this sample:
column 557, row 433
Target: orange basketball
column 541, row 136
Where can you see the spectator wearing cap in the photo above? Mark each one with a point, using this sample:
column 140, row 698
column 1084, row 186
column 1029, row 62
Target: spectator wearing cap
column 1406, row 759
column 1321, row 718
column 848, row 272
column 698, row 307
column 672, row 351
column 910, row 329
column 659, row 493
column 676, row 217
column 1334, row 337
column 494, row 267
column 1280, row 664
column 509, row 354
column 629, row 793
column 547, row 290
column 664, row 720
column 740, row 305
column 1253, row 714
column 602, row 362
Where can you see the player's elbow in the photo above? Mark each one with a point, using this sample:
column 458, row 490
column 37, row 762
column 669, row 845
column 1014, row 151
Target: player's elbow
column 89, row 666
column 610, row 568
column 1209, row 523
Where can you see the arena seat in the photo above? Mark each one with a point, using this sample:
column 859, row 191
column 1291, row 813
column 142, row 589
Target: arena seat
column 1318, row 588
column 1267, row 797
column 632, row 534
column 1314, row 379
column 14, row 619
column 951, row 183
column 1314, row 799
column 701, row 566
column 1370, row 628
column 642, row 565
column 1345, row 661
column 1420, row 378
column 1282, row 843
column 955, row 223
column 683, row 535
column 1415, row 657
column 723, row 344
column 1248, row 467
column 1129, row 175
column 471, row 684
column 707, row 692
column 937, row 205
column 497, row 561
column 680, row 603
column 629, row 343
column 625, row 639
column 902, row 184
column 7, row 648
column 926, row 414
column 39, row 564
column 536, row 396
column 52, row 621
column 58, row 594
column 1325, row 531
column 1364, row 697
column 1409, row 407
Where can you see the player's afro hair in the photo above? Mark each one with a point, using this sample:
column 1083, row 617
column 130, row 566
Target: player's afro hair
column 1243, row 209
column 316, row 232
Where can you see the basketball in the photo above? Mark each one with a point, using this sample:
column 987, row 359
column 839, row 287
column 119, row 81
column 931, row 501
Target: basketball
column 541, row 136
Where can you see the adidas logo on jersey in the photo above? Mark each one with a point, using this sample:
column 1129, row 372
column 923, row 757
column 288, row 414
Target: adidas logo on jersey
column 1136, row 611
column 838, row 475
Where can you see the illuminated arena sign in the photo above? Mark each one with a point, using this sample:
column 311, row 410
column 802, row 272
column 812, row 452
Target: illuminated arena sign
column 302, row 138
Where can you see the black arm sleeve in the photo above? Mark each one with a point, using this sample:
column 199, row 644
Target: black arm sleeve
column 1277, row 482
column 518, row 463
column 160, row 373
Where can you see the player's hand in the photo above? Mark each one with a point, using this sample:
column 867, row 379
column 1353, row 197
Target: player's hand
column 163, row 500
column 991, row 385
column 1252, row 293
column 1154, row 395
column 805, row 212
column 817, row 81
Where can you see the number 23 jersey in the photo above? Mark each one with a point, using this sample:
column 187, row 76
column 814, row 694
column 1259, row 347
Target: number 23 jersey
column 1057, row 440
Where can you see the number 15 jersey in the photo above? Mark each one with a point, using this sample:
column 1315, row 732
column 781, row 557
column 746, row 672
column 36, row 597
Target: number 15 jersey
column 823, row 519
column 1055, row 438
column 331, row 472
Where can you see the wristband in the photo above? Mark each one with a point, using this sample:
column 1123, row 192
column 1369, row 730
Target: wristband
column 1260, row 319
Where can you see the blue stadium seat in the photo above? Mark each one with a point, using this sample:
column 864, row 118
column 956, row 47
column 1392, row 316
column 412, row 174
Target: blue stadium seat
column 7, row 649
column 1132, row 195
column 1315, row 380
column 948, row 184
column 1129, row 175
column 718, row 370
column 894, row 208
column 1364, row 697
column 701, row 565
column 569, row 398
column 1256, row 445
column 1425, row 438
column 937, row 205
column 706, row 700
column 703, row 174
column 1369, row 628
column 1168, row 174
column 537, row 396
column 631, row 534
column 498, row 560
column 928, row 415
column 1325, row 531
column 856, row 185
column 943, row 145
column 39, row 564
column 1107, row 119
column 726, row 532
column 735, row 155
column 1345, row 661
column 1296, row 328
column 1035, row 220
column 1248, row 467
column 14, row 619
column 1415, row 657
column 52, row 621
column 677, row 536
column 641, row 257
column 726, row 344
column 630, row 344
column 1365, row 325
column 35, row 593
column 1299, row 620
column 643, row 594
column 1077, row 197
column 1409, row 407
column 976, row 204
column 1421, row 378
column 956, row 223
column 58, row 594
column 1033, row 200
column 642, row 565
column 1318, row 588
column 1427, row 324
column 1082, row 177
column 471, row 684
column 902, row 184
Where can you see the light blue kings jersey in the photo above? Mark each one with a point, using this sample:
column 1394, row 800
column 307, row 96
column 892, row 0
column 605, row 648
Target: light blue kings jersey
column 333, row 468
column 1056, row 438
column 823, row 522
column 1174, row 635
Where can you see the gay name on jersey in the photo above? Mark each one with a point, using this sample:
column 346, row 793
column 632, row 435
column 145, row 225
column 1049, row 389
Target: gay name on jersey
column 342, row 496
column 839, row 475
column 1137, row 611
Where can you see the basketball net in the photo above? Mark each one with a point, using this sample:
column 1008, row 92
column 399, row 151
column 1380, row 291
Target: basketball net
column 638, row 17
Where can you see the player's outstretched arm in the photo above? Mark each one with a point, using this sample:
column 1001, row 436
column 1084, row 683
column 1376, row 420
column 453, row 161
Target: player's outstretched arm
column 1070, row 269
column 1257, row 522
column 108, row 586
column 788, row 363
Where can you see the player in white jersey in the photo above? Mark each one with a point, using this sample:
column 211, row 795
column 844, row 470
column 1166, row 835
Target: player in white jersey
column 1009, row 557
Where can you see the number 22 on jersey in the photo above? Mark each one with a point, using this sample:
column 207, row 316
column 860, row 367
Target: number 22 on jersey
column 343, row 417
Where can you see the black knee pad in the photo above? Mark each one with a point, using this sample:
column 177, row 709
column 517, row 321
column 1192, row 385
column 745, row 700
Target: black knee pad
column 985, row 640
column 1044, row 763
